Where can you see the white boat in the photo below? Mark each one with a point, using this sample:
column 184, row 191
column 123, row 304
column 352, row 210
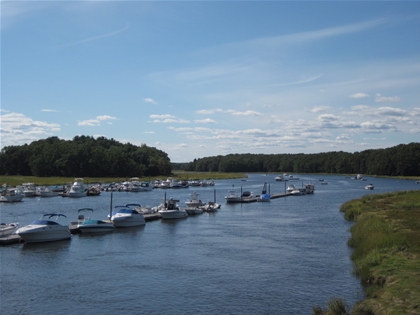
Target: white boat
column 7, row 228
column 194, row 210
column 290, row 188
column 211, row 207
column 146, row 186
column 78, row 189
column 369, row 187
column 310, row 188
column 232, row 197
column 11, row 195
column 170, row 210
column 127, row 217
column 194, row 201
column 45, row 230
column 29, row 189
column 280, row 178
column 44, row 191
column 95, row 226
column 296, row 192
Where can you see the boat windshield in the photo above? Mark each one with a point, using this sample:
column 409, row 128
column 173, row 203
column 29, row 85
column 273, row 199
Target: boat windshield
column 44, row 222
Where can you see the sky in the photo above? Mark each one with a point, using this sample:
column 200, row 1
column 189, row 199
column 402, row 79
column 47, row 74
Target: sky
column 205, row 78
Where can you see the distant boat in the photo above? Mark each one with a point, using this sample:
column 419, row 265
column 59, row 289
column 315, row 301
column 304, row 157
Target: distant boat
column 369, row 187
column 7, row 228
column 11, row 195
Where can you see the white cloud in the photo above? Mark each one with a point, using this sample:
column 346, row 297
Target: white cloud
column 149, row 100
column 96, row 122
column 318, row 109
column 246, row 113
column 359, row 95
column 49, row 110
column 393, row 99
column 205, row 121
column 17, row 129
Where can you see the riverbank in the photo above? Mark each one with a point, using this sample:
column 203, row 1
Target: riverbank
column 386, row 256
column 57, row 181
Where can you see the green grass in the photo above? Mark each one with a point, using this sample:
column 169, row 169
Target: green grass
column 386, row 256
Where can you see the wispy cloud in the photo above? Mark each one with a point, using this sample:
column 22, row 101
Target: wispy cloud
column 380, row 99
column 359, row 95
column 90, row 39
column 149, row 100
column 97, row 121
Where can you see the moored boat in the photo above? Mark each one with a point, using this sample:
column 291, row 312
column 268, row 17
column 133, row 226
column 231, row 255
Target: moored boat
column 11, row 195
column 7, row 228
column 45, row 230
column 127, row 217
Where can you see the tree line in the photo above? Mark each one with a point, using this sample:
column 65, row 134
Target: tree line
column 401, row 160
column 83, row 156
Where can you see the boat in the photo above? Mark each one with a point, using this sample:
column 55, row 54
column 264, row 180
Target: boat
column 145, row 186
column 211, row 206
column 369, row 187
column 11, row 195
column 93, row 191
column 310, row 188
column 78, row 189
column 264, row 198
column 280, row 178
column 194, row 210
column 296, row 192
column 7, row 228
column 29, row 189
column 87, row 225
column 45, row 229
column 171, row 210
column 194, row 201
column 95, row 226
column 290, row 188
column 234, row 198
column 44, row 191
column 127, row 217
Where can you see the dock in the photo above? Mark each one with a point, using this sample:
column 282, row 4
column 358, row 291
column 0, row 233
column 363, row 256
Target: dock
column 10, row 239
column 255, row 199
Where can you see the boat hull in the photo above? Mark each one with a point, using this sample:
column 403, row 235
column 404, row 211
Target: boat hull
column 7, row 229
column 127, row 221
column 39, row 234
column 173, row 214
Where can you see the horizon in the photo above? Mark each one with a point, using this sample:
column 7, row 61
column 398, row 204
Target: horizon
column 201, row 79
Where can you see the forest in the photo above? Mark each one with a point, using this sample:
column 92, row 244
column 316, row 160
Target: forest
column 83, row 156
column 401, row 160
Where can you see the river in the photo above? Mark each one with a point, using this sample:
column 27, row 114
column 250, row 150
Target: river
column 279, row 257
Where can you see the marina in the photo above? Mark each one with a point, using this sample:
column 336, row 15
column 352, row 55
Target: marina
column 282, row 256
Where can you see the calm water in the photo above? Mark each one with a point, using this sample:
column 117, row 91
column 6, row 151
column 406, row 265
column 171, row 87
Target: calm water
column 279, row 257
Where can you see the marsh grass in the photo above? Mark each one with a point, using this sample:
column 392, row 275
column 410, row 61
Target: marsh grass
column 386, row 255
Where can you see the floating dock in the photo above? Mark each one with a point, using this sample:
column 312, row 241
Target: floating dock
column 10, row 239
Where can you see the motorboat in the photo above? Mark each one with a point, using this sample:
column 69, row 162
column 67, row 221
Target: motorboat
column 194, row 201
column 310, row 188
column 211, row 206
column 78, row 189
column 280, row 178
column 232, row 197
column 171, row 210
column 145, row 186
column 290, row 188
column 95, row 226
column 45, row 229
column 7, row 228
column 369, row 187
column 194, row 210
column 264, row 198
column 127, row 217
column 29, row 189
column 11, row 195
column 296, row 192
column 45, row 191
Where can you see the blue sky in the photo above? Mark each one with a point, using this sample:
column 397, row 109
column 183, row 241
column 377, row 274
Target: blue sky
column 198, row 79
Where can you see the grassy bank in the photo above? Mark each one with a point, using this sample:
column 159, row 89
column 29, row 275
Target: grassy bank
column 52, row 181
column 386, row 256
